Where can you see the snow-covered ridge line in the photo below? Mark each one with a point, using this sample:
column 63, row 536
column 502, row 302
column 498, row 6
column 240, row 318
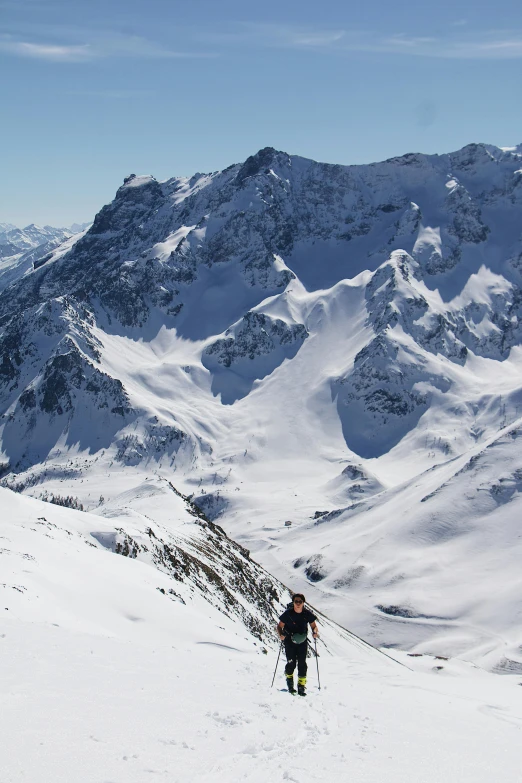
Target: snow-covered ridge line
column 202, row 564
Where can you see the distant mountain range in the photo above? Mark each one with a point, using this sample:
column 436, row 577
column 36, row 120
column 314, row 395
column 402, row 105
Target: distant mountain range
column 32, row 236
column 334, row 347
column 22, row 248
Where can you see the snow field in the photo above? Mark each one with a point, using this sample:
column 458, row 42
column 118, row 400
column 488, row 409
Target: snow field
column 106, row 680
column 114, row 711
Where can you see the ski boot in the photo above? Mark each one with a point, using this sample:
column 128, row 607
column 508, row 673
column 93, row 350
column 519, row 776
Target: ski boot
column 301, row 686
column 290, row 683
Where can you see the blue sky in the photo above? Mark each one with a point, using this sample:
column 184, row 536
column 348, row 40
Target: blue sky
column 92, row 90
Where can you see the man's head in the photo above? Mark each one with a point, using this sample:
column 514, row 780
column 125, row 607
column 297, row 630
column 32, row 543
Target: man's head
column 298, row 601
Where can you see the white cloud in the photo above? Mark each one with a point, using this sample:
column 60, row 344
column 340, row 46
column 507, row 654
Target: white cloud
column 502, row 46
column 318, row 38
column 273, row 35
column 100, row 46
column 51, row 52
column 136, row 46
column 459, row 43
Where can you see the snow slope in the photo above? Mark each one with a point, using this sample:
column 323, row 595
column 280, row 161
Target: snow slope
column 107, row 679
column 290, row 341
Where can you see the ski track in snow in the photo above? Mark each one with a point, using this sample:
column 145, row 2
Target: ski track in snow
column 119, row 712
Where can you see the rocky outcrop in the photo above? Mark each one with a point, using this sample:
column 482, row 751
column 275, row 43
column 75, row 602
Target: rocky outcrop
column 257, row 335
column 250, row 350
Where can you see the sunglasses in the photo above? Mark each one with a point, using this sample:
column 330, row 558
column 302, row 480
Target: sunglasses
column 297, row 601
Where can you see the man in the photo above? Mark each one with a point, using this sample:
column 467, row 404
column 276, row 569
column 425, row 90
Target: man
column 293, row 631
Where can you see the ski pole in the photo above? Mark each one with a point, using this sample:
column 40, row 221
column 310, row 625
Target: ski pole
column 273, row 678
column 317, row 662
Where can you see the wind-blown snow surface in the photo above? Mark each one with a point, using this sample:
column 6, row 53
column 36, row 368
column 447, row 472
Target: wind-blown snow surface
column 338, row 347
column 107, row 678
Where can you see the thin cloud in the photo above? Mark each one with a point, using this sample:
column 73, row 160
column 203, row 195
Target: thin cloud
column 104, row 46
column 500, row 47
column 458, row 44
column 136, row 46
column 50, row 52
column 318, row 39
column 272, row 36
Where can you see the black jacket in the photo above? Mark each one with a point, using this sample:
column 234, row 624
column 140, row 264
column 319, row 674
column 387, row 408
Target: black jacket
column 296, row 622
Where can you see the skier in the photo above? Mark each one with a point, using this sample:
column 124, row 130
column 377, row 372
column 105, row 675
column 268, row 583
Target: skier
column 293, row 631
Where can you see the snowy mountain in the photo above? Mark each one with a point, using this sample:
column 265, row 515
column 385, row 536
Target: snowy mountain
column 285, row 341
column 77, row 228
column 30, row 237
column 22, row 250
column 6, row 227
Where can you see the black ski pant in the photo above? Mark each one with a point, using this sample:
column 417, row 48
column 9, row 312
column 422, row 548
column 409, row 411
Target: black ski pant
column 296, row 653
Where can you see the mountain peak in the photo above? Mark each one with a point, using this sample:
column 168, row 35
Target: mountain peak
column 138, row 180
column 263, row 159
